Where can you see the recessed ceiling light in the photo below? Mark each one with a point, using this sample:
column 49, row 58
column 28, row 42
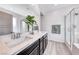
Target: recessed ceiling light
column 55, row 4
column 32, row 4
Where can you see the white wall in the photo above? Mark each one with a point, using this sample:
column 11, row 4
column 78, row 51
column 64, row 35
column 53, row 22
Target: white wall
column 54, row 18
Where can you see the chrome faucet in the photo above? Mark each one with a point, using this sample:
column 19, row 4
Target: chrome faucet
column 15, row 35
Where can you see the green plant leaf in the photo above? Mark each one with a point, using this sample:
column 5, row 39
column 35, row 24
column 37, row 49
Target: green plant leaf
column 30, row 20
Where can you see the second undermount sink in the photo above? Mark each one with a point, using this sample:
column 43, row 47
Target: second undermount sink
column 14, row 42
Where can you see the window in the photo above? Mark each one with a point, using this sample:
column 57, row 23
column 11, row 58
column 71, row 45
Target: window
column 14, row 24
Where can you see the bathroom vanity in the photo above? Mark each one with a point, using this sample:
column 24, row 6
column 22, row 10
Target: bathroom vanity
column 26, row 45
column 36, row 48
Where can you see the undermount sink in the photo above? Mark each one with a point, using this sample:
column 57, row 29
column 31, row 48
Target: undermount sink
column 15, row 42
column 28, row 37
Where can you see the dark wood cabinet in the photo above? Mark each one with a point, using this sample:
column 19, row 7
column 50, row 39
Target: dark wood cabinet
column 41, row 46
column 35, row 51
column 30, row 49
column 43, row 43
column 37, row 48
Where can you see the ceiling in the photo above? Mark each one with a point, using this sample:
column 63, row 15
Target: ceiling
column 45, row 8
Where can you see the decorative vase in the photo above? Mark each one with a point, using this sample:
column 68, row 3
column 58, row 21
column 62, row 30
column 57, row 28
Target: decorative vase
column 31, row 30
column 28, row 27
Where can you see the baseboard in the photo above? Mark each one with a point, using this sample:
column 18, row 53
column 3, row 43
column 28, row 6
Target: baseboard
column 57, row 41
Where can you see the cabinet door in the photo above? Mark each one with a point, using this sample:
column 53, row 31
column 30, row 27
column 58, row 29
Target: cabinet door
column 35, row 51
column 45, row 41
column 30, row 49
column 41, row 46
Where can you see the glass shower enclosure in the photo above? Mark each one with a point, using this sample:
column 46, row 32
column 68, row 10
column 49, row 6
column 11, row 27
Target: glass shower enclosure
column 71, row 23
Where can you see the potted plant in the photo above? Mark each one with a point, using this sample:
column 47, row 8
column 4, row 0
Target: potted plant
column 29, row 20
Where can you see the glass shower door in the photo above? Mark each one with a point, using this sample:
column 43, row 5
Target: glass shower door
column 68, row 30
column 76, row 26
column 69, row 24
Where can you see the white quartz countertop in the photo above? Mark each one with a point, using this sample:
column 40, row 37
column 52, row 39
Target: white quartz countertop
column 9, row 46
column 76, row 45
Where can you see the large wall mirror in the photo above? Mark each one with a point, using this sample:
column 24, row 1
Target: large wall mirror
column 5, row 23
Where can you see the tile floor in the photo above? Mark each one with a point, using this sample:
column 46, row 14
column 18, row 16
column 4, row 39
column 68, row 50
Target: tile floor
column 56, row 48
